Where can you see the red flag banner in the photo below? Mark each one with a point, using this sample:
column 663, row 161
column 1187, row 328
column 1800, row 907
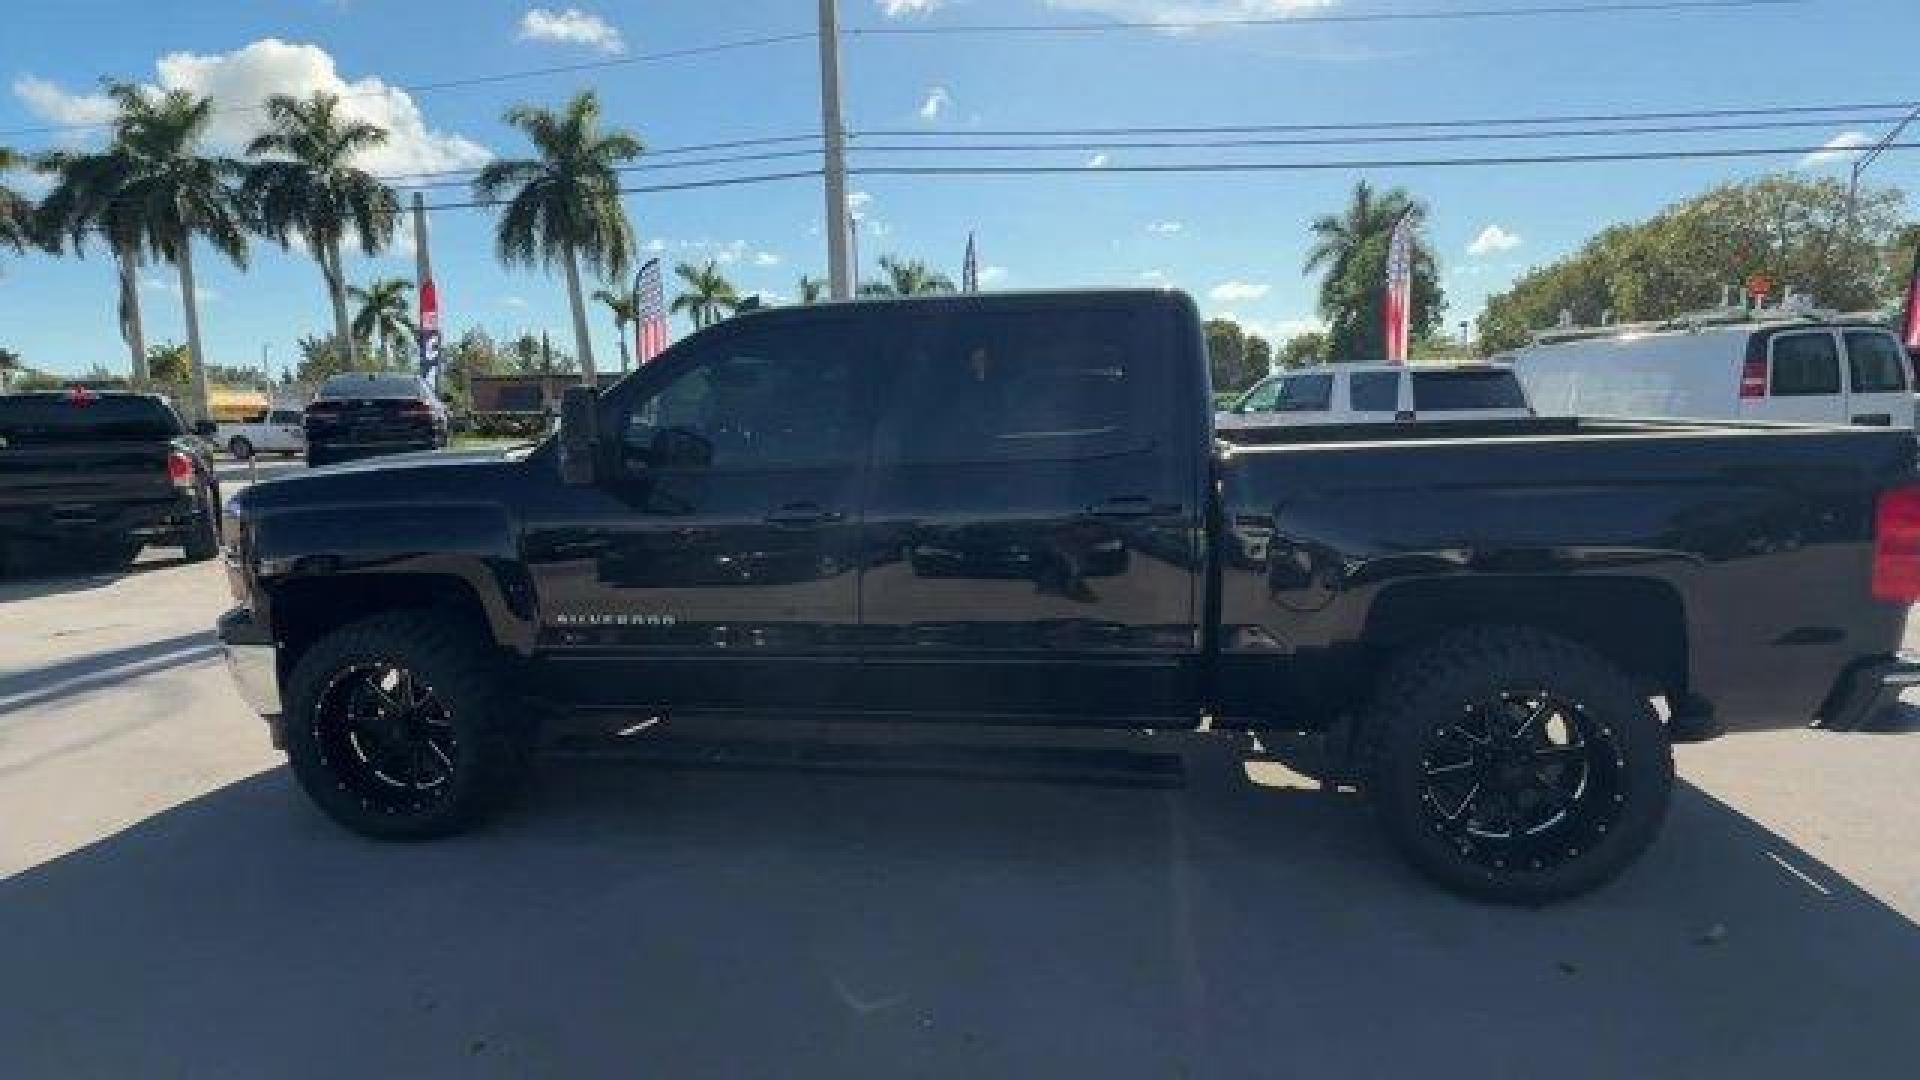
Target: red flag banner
column 1910, row 327
column 1398, row 310
column 429, row 328
column 651, row 312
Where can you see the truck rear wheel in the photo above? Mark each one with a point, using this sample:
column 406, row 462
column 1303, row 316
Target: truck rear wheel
column 395, row 727
column 1516, row 766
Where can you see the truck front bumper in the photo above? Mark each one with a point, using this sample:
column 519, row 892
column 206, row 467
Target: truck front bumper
column 1867, row 690
column 254, row 662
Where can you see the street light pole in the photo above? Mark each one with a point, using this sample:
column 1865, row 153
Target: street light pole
column 839, row 276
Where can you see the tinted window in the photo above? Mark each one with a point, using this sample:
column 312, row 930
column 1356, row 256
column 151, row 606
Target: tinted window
column 282, row 416
column 1261, row 397
column 1805, row 364
column 1874, row 363
column 1452, row 391
column 1375, row 391
column 752, row 401
column 372, row 386
column 1306, row 393
column 50, row 418
column 1055, row 384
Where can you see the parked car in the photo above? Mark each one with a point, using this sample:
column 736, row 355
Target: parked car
column 1781, row 369
column 91, row 478
column 363, row 414
column 1378, row 394
column 276, row 431
column 1010, row 510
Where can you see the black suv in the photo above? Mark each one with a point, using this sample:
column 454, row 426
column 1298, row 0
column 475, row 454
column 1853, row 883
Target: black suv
column 364, row 414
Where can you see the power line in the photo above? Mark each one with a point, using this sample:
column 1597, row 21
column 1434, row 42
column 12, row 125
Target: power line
column 648, row 189
column 1358, row 164
column 661, row 167
column 1472, row 136
column 1457, row 14
column 1396, row 125
column 483, row 80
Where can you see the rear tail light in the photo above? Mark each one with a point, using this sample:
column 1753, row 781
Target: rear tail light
column 1753, row 373
column 416, row 408
column 1896, row 545
column 180, row 469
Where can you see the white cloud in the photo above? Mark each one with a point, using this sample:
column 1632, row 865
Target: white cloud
column 1184, row 11
column 1274, row 330
column 766, row 258
column 239, row 81
column 654, row 246
column 894, row 9
column 1491, row 239
column 156, row 283
column 1164, row 228
column 1098, row 161
column 572, row 27
column 1842, row 147
column 991, row 274
column 513, row 301
column 937, row 102
column 1235, row 289
column 1153, row 275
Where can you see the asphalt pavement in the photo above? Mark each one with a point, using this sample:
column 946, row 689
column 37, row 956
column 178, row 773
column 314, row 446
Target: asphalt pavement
column 171, row 905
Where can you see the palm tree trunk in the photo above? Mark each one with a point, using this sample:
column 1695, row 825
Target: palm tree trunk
column 583, row 341
column 196, row 361
column 130, row 313
column 337, row 292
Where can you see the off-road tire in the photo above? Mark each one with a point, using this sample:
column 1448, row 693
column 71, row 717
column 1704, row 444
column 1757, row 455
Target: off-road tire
column 1427, row 688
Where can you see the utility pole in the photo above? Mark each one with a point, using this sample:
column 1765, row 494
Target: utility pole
column 428, row 297
column 839, row 275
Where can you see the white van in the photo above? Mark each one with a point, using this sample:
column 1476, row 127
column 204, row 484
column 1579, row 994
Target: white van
column 1802, row 371
column 1377, row 394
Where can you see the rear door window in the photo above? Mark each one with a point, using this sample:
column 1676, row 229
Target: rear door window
column 1874, row 363
column 1465, row 391
column 27, row 420
column 1805, row 364
column 1306, row 393
column 1375, row 391
column 1261, row 397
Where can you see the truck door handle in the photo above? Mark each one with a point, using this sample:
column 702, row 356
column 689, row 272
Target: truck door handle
column 1133, row 506
column 801, row 515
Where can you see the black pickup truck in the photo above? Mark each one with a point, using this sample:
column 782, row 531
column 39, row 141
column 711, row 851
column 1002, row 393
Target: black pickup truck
column 90, row 478
column 1013, row 510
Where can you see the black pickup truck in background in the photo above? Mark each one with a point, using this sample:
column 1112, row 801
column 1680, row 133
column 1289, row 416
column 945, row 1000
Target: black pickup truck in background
column 91, row 478
column 1013, row 510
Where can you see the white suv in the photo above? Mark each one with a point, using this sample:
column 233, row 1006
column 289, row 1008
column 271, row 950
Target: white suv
column 1378, row 394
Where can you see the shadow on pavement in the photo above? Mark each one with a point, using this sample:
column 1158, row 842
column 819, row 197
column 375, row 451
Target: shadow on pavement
column 35, row 580
column 645, row 921
column 50, row 682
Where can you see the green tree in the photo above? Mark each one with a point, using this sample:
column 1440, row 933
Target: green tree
column 86, row 203
column 233, row 375
column 1235, row 358
column 564, row 205
column 1794, row 230
column 625, row 309
column 307, row 186
column 1301, row 350
column 812, row 289
column 1350, row 253
column 473, row 355
column 385, row 317
column 321, row 358
column 906, row 277
column 1901, row 253
column 536, row 356
column 169, row 363
column 179, row 194
column 709, row 296
column 10, row 365
column 16, row 213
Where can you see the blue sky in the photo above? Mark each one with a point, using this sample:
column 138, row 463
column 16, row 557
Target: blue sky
column 1234, row 240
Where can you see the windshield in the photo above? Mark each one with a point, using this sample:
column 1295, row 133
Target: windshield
column 49, row 418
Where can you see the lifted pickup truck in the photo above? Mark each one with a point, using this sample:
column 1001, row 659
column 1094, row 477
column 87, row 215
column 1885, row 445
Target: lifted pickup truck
column 91, row 478
column 1013, row 510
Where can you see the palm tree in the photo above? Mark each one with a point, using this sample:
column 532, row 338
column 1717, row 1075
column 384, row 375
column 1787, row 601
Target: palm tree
column 812, row 289
column 9, row 365
column 16, row 213
column 906, row 277
column 1339, row 239
column 85, row 202
column 383, row 316
column 176, row 194
column 709, row 298
column 564, row 206
column 625, row 308
column 308, row 187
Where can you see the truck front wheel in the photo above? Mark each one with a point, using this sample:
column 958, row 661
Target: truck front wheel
column 396, row 727
column 1516, row 766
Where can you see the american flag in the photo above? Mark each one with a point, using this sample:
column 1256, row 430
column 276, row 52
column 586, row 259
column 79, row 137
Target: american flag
column 1398, row 310
column 651, row 317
